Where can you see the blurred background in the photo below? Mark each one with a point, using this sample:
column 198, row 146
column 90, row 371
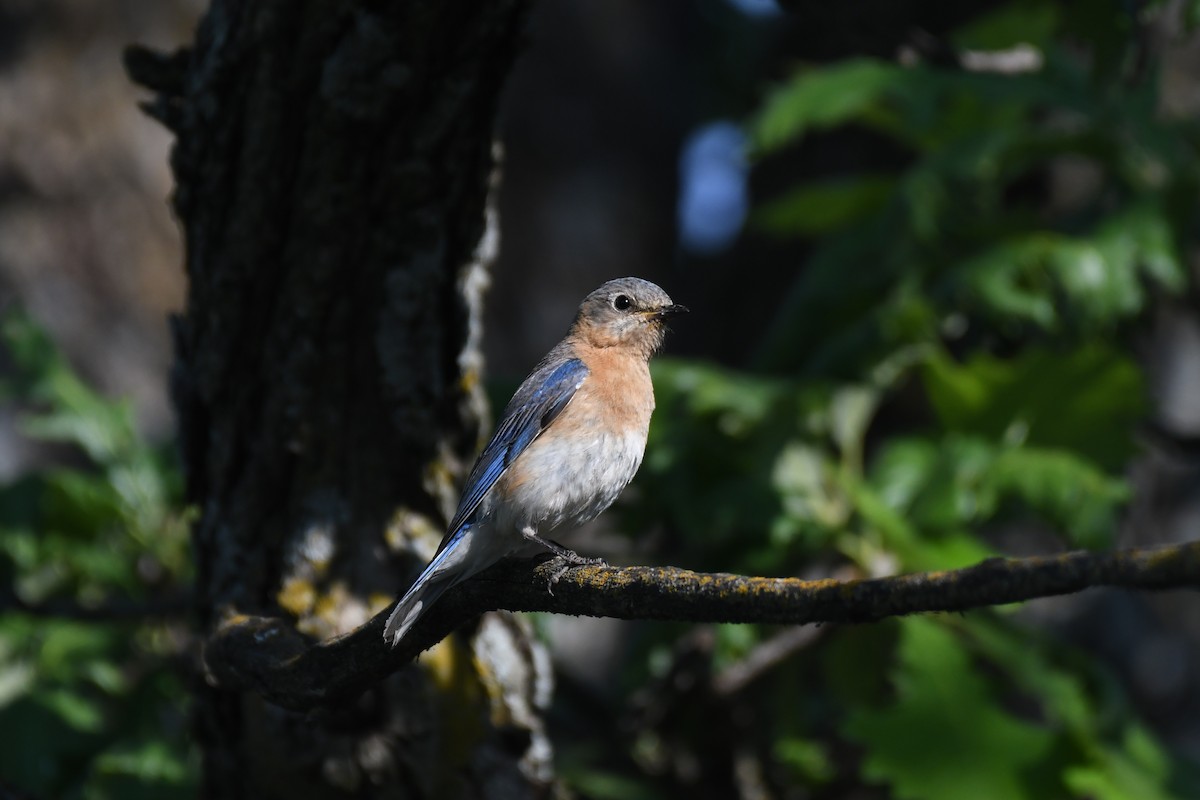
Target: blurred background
column 941, row 259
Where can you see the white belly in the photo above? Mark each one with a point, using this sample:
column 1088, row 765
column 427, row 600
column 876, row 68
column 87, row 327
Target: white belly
column 569, row 483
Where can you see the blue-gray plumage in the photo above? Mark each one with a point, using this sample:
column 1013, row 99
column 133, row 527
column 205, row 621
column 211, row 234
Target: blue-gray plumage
column 568, row 442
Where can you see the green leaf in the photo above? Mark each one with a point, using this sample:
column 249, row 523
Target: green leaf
column 903, row 469
column 823, row 98
column 1009, row 280
column 923, row 548
column 1086, row 401
column 104, row 429
column 74, row 412
column 807, row 759
column 822, row 208
column 1146, row 752
column 1024, row 658
column 29, row 346
column 945, row 736
column 944, row 486
column 107, row 676
column 78, row 504
column 741, row 401
column 1021, row 22
column 956, row 490
column 67, row 647
column 1136, row 771
column 16, row 678
column 851, row 410
column 1141, row 239
column 148, row 761
column 732, row 643
column 802, row 476
column 939, row 485
column 1102, row 278
column 1069, row 491
column 1128, row 766
column 74, row 709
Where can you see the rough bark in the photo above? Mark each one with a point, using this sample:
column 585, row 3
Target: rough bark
column 333, row 162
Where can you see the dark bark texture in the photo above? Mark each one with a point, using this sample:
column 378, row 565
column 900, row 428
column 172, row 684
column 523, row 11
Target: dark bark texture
column 333, row 164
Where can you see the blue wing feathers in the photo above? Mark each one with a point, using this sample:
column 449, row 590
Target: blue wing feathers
column 541, row 398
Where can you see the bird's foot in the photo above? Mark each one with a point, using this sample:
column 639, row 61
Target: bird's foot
column 566, row 561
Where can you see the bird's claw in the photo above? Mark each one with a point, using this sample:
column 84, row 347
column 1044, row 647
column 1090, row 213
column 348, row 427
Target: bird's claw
column 568, row 560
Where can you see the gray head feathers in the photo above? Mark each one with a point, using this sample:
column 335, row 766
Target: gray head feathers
column 626, row 312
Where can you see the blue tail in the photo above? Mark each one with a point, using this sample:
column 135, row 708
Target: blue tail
column 436, row 578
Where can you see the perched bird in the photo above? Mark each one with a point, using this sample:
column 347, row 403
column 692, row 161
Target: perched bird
column 568, row 442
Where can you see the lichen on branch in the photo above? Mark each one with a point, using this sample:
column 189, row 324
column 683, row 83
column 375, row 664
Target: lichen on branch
column 268, row 656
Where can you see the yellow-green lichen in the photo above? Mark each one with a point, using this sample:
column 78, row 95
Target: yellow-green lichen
column 328, row 606
column 469, row 381
column 297, row 596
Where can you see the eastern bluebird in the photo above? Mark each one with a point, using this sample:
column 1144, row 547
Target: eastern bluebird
column 568, row 442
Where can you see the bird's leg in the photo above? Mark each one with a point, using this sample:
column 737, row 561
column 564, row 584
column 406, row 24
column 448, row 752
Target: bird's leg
column 568, row 558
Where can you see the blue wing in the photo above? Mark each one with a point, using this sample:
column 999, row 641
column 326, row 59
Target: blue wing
column 541, row 398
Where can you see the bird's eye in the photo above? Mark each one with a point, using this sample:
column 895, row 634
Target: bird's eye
column 621, row 302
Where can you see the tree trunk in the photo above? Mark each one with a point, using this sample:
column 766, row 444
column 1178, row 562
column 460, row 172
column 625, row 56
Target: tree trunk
column 333, row 166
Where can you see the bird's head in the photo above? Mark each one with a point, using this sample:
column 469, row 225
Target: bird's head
column 626, row 312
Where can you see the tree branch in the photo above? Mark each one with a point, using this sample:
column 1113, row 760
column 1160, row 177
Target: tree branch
column 268, row 656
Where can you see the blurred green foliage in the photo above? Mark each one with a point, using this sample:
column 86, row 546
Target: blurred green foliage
column 93, row 645
column 953, row 363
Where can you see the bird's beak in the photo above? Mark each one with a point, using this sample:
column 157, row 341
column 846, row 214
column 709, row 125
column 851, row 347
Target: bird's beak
column 670, row 311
